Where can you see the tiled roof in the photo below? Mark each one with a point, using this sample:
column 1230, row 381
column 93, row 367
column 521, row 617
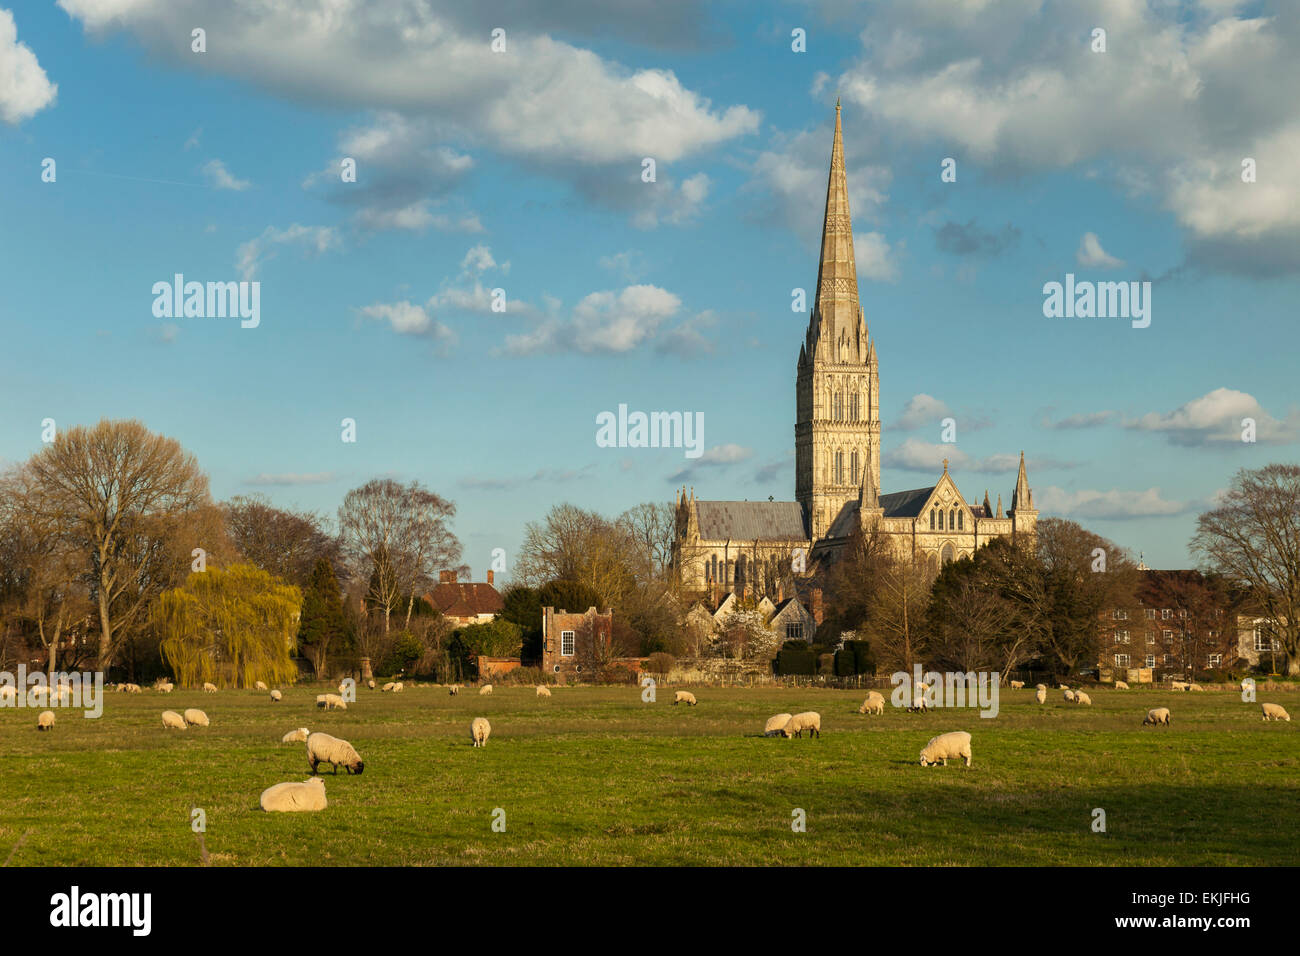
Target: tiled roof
column 751, row 521
column 465, row 600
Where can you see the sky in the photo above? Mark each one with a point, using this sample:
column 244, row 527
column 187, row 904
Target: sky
column 522, row 169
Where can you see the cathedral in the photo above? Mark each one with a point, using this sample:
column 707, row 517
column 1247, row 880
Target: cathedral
column 752, row 545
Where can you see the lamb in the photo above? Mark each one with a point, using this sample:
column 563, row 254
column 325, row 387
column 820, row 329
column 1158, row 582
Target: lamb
column 453, row 689
column 164, row 686
column 196, row 718
column 874, row 704
column 298, row 736
column 479, row 731
column 276, row 695
column 1275, row 712
column 809, row 720
column 775, row 725
column 918, row 705
column 45, row 721
column 1120, row 685
column 1041, row 694
column 260, row 685
column 1082, row 698
column 685, row 697
column 543, row 691
column 1157, row 715
column 1069, row 695
column 1017, row 684
column 209, row 688
column 939, row 749
column 292, row 797
column 322, row 748
column 485, row 690
column 173, row 720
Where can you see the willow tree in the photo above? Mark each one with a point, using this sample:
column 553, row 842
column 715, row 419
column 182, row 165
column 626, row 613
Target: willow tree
column 238, row 624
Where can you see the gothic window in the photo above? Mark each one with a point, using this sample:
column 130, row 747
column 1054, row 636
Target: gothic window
column 855, row 467
column 839, row 406
column 960, row 521
column 931, row 519
column 839, row 467
column 952, row 519
column 947, row 553
column 855, row 406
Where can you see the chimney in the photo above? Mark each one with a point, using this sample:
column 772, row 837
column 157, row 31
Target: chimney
column 446, row 577
column 816, row 608
column 489, row 577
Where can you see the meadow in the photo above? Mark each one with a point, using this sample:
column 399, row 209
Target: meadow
column 594, row 776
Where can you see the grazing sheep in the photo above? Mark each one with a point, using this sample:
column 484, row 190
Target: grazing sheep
column 331, row 702
column 479, row 731
column 1275, row 712
column 685, row 697
column 918, row 705
column 387, row 687
column 209, row 688
column 196, row 718
column 173, row 720
column 1082, row 698
column 1195, row 687
column 1069, row 695
column 1156, row 715
column 1120, row 685
column 322, row 748
column 45, row 721
column 453, row 689
column 260, row 685
column 397, row 688
column 292, row 797
column 543, row 691
column 874, row 704
column 775, row 725
column 1017, row 684
column 164, row 686
column 809, row 720
column 276, row 695
column 484, row 690
column 939, row 749
column 371, row 683
column 298, row 736
column 1177, row 685
column 132, row 688
column 1041, row 694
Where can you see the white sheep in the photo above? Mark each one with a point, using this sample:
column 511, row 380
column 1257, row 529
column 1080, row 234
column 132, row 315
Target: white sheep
column 874, row 704
column 1041, row 686
column 479, row 731
column 397, row 688
column 173, row 721
column 939, row 749
column 209, row 688
column 809, row 720
column 484, row 690
column 1082, row 698
column 196, row 718
column 1017, row 684
column 1177, row 685
column 293, row 797
column 1120, row 685
column 387, row 687
column 775, row 725
column 1275, row 712
column 1195, row 687
column 685, row 697
column 132, row 688
column 918, row 705
column 322, row 748
column 276, row 695
column 1156, row 715
column 371, row 683
column 1069, row 695
column 298, row 736
column 453, row 689
column 331, row 702
column 164, row 687
column 45, row 721
column 1064, row 687
column 543, row 691
column 1041, row 694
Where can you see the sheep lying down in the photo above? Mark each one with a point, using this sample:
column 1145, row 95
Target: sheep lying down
column 293, row 797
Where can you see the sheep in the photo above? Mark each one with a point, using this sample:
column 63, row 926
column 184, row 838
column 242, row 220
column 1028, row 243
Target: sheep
column 388, row 687
column 479, row 731
column 685, row 697
column 1069, row 695
column 1157, row 715
column 918, row 705
column 1064, row 687
column 809, row 720
column 164, row 686
column 196, row 718
column 173, row 721
column 1040, row 686
column 276, row 695
column 371, row 683
column 1120, row 685
column 322, row 748
column 1177, row 685
column 293, row 797
column 298, row 736
column 132, row 688
column 774, row 725
column 1195, row 687
column 1041, row 694
column 209, row 688
column 1275, row 712
column 260, row 685
column 485, row 690
column 1017, row 684
column 453, row 689
column 939, row 749
column 397, row 688
column 45, row 721
column 331, row 702
column 1082, row 698
column 874, row 704
column 543, row 691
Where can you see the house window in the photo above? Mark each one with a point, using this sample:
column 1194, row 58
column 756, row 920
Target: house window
column 1121, row 637
column 794, row 632
column 952, row 519
column 1168, row 658
column 1165, row 613
column 1151, row 614
column 1151, row 660
column 1168, row 635
column 1151, row 638
column 1263, row 640
column 566, row 643
column 1121, row 660
column 1216, row 660
column 1121, row 614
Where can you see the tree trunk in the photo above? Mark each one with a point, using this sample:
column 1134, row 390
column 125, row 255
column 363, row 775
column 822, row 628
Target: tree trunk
column 410, row 605
column 105, row 629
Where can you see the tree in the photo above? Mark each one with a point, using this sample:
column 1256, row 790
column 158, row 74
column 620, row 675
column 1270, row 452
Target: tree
column 897, row 614
column 967, row 619
column 323, row 622
column 744, row 634
column 1253, row 537
column 114, row 492
column 852, row 581
column 236, row 624
column 495, row 638
column 576, row 545
column 289, row 544
column 651, row 527
column 522, row 605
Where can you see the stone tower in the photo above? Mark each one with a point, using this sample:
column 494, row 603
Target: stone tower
column 837, row 394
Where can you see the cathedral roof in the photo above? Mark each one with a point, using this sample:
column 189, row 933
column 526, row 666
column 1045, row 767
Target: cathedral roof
column 750, row 520
column 906, row 504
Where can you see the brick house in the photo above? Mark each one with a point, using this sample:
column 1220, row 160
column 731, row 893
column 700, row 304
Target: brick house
column 465, row 602
column 576, row 646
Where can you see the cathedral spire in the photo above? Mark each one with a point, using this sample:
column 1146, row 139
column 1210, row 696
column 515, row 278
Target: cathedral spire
column 868, row 493
column 1022, row 500
column 836, row 316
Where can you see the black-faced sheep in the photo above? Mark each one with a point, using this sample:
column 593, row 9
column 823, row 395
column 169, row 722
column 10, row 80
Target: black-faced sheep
column 322, row 748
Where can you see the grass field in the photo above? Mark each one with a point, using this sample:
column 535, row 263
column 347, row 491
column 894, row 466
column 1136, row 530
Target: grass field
column 594, row 776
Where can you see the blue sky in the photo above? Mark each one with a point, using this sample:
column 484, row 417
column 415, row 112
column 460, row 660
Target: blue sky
column 522, row 171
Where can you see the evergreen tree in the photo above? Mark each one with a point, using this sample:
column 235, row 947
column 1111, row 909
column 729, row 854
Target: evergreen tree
column 323, row 625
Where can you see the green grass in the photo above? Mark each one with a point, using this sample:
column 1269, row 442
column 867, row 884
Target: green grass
column 594, row 776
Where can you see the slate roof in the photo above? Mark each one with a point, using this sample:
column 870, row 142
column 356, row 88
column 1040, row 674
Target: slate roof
column 905, row 504
column 751, row 520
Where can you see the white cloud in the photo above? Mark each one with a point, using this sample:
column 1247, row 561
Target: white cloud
column 221, row 178
column 1216, row 418
column 605, row 322
column 193, row 141
column 1114, row 503
column 1091, row 254
column 25, row 90
column 407, row 319
column 719, row 456
column 251, row 254
column 922, row 410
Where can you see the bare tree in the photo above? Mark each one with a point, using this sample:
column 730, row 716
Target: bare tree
column 897, row 616
column 286, row 543
column 576, row 545
column 1253, row 537
column 651, row 526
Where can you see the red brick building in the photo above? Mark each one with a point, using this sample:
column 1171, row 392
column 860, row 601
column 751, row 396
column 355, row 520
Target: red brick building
column 576, row 646
column 465, row 602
